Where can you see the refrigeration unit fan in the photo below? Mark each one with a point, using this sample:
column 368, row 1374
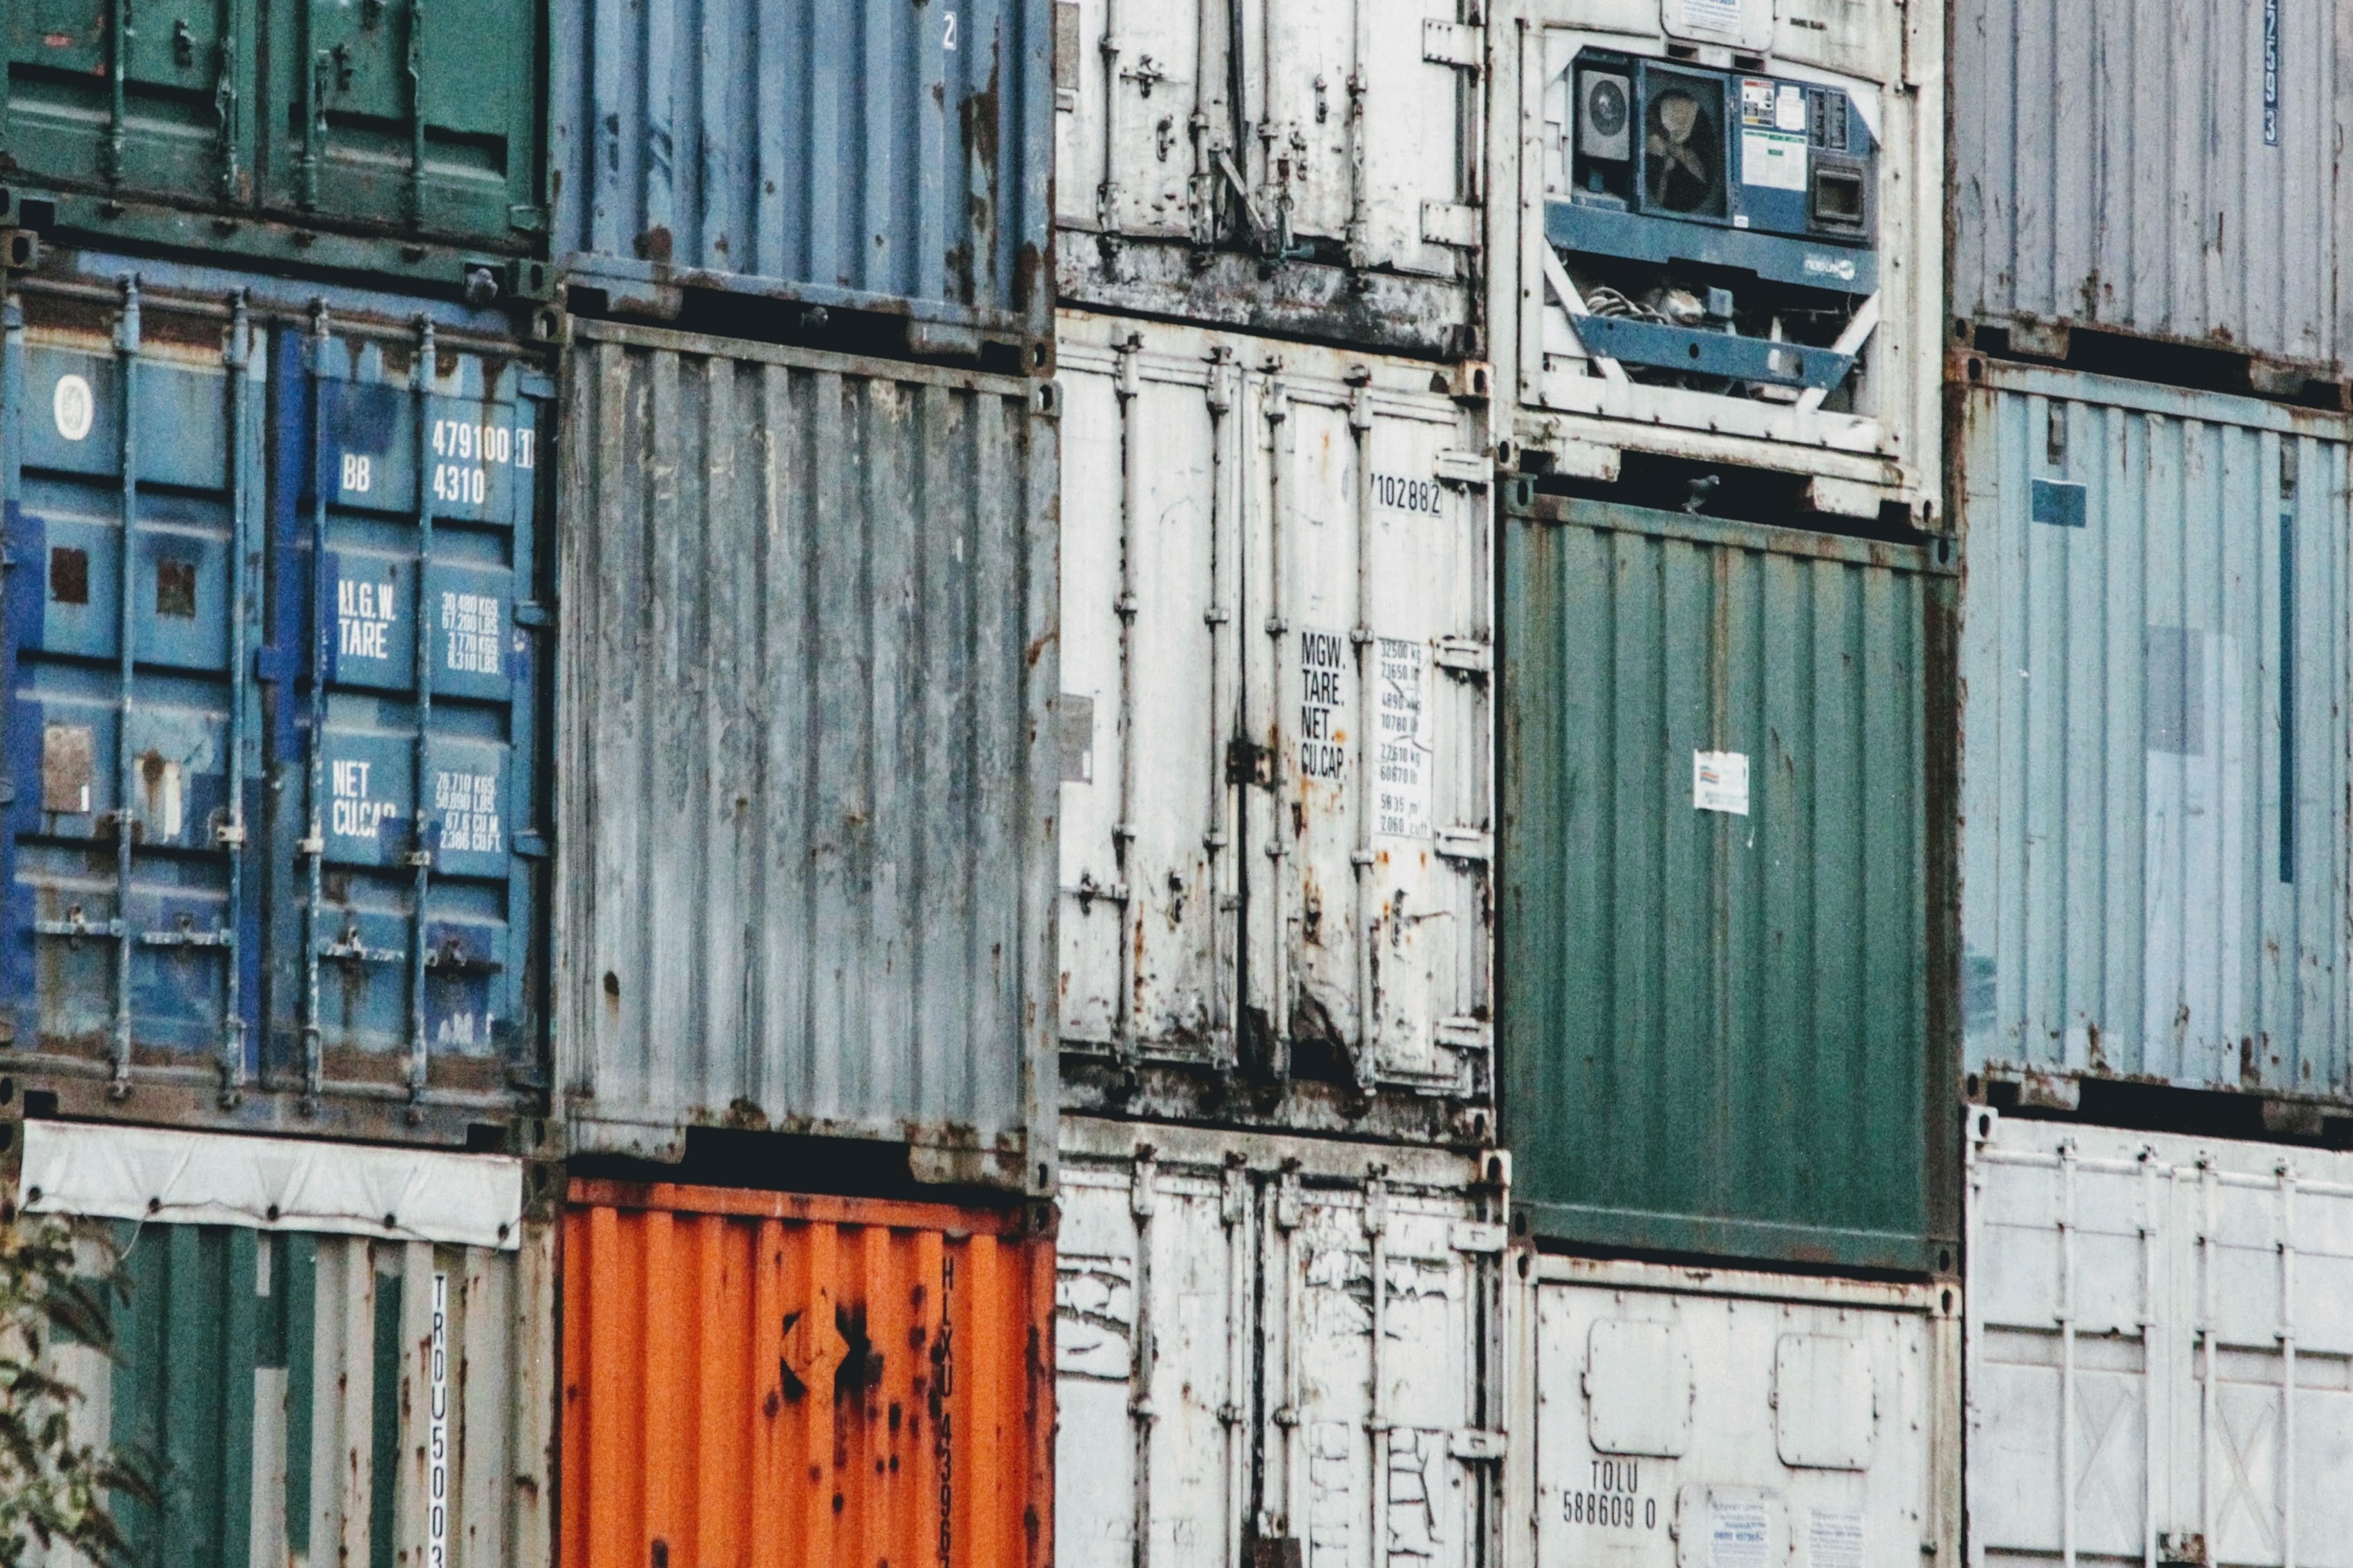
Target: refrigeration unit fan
column 1717, row 225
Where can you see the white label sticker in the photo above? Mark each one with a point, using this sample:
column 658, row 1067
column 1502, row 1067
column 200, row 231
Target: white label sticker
column 74, row 407
column 1772, row 159
column 1736, row 1533
column 1323, row 661
column 1401, row 802
column 1711, row 16
column 1789, row 107
column 436, row 1434
column 1834, row 1540
column 1720, row 782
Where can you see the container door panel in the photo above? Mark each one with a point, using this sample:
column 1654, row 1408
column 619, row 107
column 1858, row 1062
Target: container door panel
column 133, row 725
column 1417, row 144
column 412, row 116
column 97, row 96
column 1139, row 88
column 418, row 506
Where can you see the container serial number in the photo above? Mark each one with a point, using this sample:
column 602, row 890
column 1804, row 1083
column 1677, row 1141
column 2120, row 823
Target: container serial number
column 468, row 442
column 1406, row 495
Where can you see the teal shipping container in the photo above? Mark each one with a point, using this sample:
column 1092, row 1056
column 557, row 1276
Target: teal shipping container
column 1727, row 771
column 324, row 1352
column 388, row 138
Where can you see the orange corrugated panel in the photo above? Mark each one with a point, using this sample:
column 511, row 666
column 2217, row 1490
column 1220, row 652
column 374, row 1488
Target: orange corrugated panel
column 782, row 1382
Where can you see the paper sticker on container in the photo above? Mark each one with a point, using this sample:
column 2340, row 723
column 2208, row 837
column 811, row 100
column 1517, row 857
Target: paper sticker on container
column 1774, row 160
column 1834, row 1540
column 1720, row 782
column 1402, row 779
column 1738, row 1534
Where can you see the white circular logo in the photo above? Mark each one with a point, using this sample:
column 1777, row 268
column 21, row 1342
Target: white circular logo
column 74, row 407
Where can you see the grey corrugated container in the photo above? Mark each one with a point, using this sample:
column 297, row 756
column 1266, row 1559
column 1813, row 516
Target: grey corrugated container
column 2136, row 167
column 885, row 155
column 2153, row 736
column 806, row 790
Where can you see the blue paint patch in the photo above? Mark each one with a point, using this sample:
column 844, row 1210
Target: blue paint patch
column 2060, row 502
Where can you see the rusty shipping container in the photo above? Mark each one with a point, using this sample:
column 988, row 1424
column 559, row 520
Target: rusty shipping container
column 1275, row 718
column 1310, row 168
column 765, row 1378
column 324, row 1352
column 2164, row 168
column 881, row 156
column 2155, row 741
column 806, row 790
column 1277, row 1349
column 1752, row 275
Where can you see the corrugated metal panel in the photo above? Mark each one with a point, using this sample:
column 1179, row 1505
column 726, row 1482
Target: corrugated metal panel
column 889, row 155
column 1264, row 541
column 2154, row 838
column 1721, row 1009
column 330, row 925
column 2157, row 1335
column 2162, row 167
column 804, row 783
column 329, row 1397
column 759, row 1377
column 1666, row 1416
column 1874, row 439
column 399, row 139
column 1274, row 1350
column 1308, row 167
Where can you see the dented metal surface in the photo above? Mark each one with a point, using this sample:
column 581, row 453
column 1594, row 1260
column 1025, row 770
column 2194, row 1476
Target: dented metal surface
column 1665, row 1416
column 2164, row 168
column 1276, row 1351
column 271, row 857
column 806, row 774
column 309, row 1397
column 1727, row 952
column 1312, row 169
column 2155, row 742
column 887, row 155
column 766, row 1377
column 1275, row 803
column 2159, row 1332
column 1877, row 434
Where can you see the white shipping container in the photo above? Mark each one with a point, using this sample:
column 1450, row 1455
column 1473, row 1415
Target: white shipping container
column 1272, row 1349
column 2160, row 1348
column 1689, row 1417
column 1872, row 438
column 1314, row 159
column 1276, row 652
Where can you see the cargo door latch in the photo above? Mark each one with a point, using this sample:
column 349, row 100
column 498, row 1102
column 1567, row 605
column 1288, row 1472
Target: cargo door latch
column 1248, row 762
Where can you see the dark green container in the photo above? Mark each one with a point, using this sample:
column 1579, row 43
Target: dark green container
column 1728, row 1035
column 393, row 137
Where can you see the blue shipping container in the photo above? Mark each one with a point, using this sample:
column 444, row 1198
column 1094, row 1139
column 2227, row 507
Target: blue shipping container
column 271, row 830
column 893, row 156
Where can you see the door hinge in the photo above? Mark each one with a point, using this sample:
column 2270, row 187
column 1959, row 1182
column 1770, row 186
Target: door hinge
column 1475, row 1235
column 1466, row 844
column 1475, row 1446
column 1453, row 44
column 1458, row 466
column 1466, row 655
column 1465, row 1033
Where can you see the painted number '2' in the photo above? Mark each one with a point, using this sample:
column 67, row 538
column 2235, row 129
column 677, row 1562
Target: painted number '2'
column 948, row 41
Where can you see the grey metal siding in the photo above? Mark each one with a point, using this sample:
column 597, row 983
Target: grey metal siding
column 887, row 155
column 2137, row 168
column 2153, row 735
column 806, row 790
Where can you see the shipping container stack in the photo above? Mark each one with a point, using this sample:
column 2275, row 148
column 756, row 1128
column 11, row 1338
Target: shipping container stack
column 1726, row 623
column 1279, row 1333
column 275, row 411
column 2148, row 383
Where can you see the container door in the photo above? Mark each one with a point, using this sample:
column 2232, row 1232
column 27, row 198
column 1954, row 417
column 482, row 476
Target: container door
column 2158, row 1336
column 1143, row 159
column 155, row 109
column 132, row 721
column 405, row 834
column 1370, row 681
column 417, row 117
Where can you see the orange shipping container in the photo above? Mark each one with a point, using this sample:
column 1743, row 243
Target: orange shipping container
column 783, row 1382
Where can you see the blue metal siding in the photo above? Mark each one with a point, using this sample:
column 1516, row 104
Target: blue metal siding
column 893, row 156
column 328, row 938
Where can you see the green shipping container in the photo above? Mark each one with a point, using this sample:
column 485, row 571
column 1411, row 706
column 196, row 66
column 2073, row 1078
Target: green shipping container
column 385, row 136
column 1728, row 922
column 298, row 1390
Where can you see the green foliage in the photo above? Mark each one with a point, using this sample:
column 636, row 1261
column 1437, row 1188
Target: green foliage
column 53, row 1488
